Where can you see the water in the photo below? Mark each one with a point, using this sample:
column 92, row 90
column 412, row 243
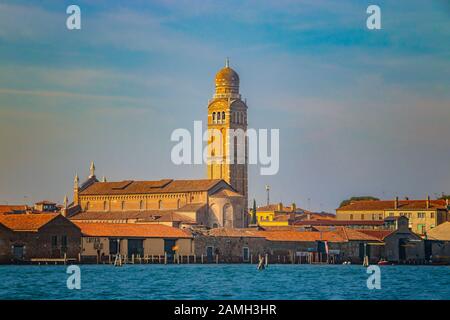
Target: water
column 224, row 282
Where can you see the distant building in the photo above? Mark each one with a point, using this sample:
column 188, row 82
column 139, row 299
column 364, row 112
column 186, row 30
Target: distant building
column 46, row 235
column 423, row 215
column 278, row 215
column 46, row 206
column 438, row 243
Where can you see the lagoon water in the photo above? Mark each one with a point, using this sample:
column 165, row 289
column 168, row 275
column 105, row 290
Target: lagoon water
column 224, row 282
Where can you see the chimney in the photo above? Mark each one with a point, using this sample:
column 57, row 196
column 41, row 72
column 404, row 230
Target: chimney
column 280, row 206
column 428, row 202
column 396, row 203
column 294, row 207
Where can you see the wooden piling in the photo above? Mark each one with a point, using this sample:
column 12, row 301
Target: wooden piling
column 165, row 257
column 202, row 258
column 217, row 258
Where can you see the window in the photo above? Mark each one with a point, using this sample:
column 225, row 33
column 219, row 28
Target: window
column 218, row 117
column 141, row 205
column 214, row 117
column 87, row 205
column 362, row 217
column 421, row 215
column 432, row 215
column 105, row 206
column 351, row 217
column 160, row 204
column 54, row 241
column 245, row 254
column 178, row 203
column 391, row 214
column 223, row 116
column 122, row 205
column 64, row 244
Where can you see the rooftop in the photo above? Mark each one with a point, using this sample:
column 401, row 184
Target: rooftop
column 149, row 187
column 390, row 205
column 135, row 230
column 26, row 222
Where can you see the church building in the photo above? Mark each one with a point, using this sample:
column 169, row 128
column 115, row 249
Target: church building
column 221, row 200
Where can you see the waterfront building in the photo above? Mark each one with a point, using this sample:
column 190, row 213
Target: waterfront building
column 399, row 243
column 283, row 246
column 102, row 241
column 423, row 215
column 438, row 243
column 24, row 237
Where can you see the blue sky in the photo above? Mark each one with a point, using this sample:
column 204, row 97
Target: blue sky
column 360, row 112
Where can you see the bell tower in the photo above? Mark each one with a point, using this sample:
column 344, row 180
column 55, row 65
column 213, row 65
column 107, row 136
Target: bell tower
column 227, row 114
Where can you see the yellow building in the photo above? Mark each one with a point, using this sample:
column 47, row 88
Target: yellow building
column 423, row 215
column 277, row 215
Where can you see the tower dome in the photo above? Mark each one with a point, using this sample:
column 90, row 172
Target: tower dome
column 227, row 81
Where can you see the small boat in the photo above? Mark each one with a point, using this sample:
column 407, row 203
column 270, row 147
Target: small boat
column 384, row 263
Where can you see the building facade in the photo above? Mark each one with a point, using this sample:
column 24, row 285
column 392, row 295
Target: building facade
column 423, row 215
column 24, row 237
column 206, row 202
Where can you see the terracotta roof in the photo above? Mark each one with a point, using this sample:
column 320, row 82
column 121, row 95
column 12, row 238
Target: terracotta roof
column 173, row 217
column 234, row 233
column 227, row 193
column 330, row 222
column 117, row 215
column 26, row 222
column 274, row 207
column 440, row 232
column 46, row 202
column 135, row 230
column 390, row 204
column 302, row 236
column 378, row 234
column 13, row 208
column 144, row 216
column 355, row 235
column 149, row 187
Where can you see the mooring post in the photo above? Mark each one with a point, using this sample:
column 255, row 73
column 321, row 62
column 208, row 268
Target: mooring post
column 165, row 257
column 202, row 258
column 217, row 258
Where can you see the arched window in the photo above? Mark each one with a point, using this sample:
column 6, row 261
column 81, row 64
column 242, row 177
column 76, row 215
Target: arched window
column 122, row 205
column 239, row 117
column 87, row 206
column 218, row 117
column 160, row 204
column 214, row 117
column 141, row 205
column 178, row 203
column 105, row 206
column 223, row 116
column 232, row 117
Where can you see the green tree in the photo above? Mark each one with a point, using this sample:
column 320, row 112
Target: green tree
column 444, row 196
column 254, row 212
column 360, row 198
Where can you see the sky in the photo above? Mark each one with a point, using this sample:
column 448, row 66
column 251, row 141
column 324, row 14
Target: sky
column 360, row 112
